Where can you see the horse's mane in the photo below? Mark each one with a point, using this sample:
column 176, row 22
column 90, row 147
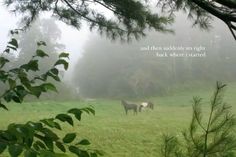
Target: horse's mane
column 123, row 102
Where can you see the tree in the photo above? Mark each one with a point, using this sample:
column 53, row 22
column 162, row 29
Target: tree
column 200, row 11
column 213, row 138
column 37, row 138
column 108, row 69
column 41, row 30
column 131, row 17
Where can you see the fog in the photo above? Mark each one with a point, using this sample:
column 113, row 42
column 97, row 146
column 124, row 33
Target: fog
column 72, row 38
column 110, row 91
column 158, row 64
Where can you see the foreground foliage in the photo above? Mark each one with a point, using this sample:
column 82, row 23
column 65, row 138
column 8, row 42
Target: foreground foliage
column 213, row 138
column 201, row 11
column 41, row 137
column 131, row 17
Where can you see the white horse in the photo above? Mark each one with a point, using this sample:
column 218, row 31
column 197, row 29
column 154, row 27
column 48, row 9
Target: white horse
column 144, row 105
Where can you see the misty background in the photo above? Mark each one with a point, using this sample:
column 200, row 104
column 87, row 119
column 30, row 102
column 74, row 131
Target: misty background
column 101, row 68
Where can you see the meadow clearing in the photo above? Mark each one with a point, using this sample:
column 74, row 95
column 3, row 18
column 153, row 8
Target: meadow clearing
column 117, row 134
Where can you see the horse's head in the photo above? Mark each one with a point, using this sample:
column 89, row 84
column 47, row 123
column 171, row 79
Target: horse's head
column 123, row 102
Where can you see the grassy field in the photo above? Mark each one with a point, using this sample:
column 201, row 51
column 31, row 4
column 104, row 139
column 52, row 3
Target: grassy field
column 115, row 133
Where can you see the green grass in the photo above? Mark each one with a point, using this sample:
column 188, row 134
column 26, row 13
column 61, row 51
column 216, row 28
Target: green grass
column 111, row 130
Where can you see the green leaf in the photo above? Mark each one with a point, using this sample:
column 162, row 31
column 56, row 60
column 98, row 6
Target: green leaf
column 76, row 112
column 49, row 142
column 41, row 43
column 83, row 142
column 3, row 146
column 64, row 55
column 78, row 152
column 61, row 146
column 36, row 126
column 3, row 61
column 50, row 122
column 3, row 76
column 36, row 91
column 84, row 153
column 93, row 155
column 12, row 83
column 11, row 47
column 15, row 31
column 7, row 50
column 41, row 53
column 21, row 91
column 89, row 110
column 57, row 125
column 65, row 118
column 32, row 65
column 75, row 150
column 69, row 138
column 30, row 153
column 39, row 145
column 3, row 106
column 55, row 77
column 49, row 86
column 62, row 62
column 15, row 150
column 8, row 96
column 49, row 134
column 17, row 99
column 13, row 42
column 54, row 71
column 47, row 153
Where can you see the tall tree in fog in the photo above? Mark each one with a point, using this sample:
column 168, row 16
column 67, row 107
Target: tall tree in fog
column 111, row 70
column 119, row 71
column 41, row 30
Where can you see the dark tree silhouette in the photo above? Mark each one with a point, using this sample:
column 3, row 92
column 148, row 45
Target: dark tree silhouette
column 131, row 17
column 201, row 10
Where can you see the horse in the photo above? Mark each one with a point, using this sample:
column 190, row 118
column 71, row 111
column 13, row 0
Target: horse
column 146, row 105
column 129, row 106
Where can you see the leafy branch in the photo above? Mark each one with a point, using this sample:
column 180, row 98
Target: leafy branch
column 127, row 22
column 38, row 138
column 214, row 138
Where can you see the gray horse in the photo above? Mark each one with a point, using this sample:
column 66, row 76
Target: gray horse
column 129, row 106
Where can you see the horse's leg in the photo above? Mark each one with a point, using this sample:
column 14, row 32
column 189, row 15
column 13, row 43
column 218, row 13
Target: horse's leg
column 140, row 108
column 135, row 110
column 126, row 111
